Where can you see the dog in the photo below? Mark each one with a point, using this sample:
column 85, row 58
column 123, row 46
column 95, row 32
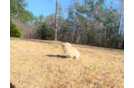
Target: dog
column 70, row 51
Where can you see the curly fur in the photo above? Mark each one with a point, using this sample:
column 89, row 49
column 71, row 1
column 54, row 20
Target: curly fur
column 70, row 51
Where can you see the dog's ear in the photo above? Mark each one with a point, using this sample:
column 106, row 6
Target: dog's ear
column 63, row 45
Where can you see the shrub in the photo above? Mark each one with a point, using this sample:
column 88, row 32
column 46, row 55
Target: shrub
column 14, row 32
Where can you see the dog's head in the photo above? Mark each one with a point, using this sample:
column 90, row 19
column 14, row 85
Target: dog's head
column 66, row 46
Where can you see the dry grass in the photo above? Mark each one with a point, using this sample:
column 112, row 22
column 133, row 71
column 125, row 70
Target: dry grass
column 42, row 64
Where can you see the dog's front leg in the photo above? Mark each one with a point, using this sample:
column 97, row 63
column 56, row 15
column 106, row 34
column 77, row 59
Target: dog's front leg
column 68, row 57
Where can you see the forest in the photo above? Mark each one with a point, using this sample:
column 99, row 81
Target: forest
column 89, row 23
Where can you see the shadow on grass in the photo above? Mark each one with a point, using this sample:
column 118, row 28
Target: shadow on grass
column 11, row 85
column 59, row 56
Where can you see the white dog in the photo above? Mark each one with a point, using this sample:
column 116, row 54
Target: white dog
column 70, row 51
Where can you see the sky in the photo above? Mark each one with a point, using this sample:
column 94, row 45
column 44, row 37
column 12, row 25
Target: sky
column 47, row 7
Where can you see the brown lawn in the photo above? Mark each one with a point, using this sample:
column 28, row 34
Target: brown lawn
column 42, row 64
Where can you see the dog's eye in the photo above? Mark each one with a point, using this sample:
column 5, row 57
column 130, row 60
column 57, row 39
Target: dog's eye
column 66, row 47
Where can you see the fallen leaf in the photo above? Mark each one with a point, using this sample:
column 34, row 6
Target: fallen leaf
column 95, row 74
column 61, row 85
column 111, row 85
column 109, row 72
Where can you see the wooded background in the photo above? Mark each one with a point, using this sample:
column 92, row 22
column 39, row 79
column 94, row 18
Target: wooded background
column 89, row 23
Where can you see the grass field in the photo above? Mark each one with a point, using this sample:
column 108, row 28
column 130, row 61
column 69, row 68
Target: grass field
column 42, row 64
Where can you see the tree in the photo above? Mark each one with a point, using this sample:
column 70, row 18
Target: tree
column 56, row 20
column 41, row 17
column 45, row 32
column 120, row 22
column 35, row 18
column 50, row 21
column 17, row 7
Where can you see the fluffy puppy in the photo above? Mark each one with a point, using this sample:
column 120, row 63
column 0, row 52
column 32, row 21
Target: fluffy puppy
column 70, row 51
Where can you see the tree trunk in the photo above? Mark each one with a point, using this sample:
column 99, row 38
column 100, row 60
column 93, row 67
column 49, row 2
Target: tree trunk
column 56, row 20
column 16, row 16
column 116, row 45
column 123, row 45
column 78, row 39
